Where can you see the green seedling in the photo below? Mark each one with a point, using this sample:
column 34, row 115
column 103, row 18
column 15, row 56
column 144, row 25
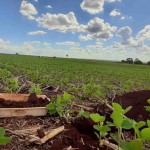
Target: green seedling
column 60, row 105
column 83, row 113
column 12, row 85
column 120, row 121
column 35, row 88
column 100, row 127
column 3, row 139
column 148, row 107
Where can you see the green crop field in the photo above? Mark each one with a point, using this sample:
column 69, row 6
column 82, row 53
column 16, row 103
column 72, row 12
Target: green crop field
column 84, row 78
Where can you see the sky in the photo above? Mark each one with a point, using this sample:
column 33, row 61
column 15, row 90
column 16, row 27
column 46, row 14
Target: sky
column 89, row 29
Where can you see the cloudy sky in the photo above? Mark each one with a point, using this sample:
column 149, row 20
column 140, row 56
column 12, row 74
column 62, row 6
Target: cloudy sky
column 92, row 29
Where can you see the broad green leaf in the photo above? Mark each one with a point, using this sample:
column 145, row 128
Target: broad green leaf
column 127, row 109
column 102, row 128
column 97, row 118
column 5, row 140
column 140, row 124
column 136, row 145
column 117, row 107
column 117, row 118
column 148, row 101
column 67, row 96
column 133, row 145
column 127, row 123
column 50, row 106
column 147, row 108
column 2, row 131
column 125, row 145
column 145, row 134
column 63, row 102
column 148, row 123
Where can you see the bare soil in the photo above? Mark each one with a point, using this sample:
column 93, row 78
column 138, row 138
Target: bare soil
column 79, row 133
column 137, row 100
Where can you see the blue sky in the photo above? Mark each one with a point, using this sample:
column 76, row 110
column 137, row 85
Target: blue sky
column 96, row 29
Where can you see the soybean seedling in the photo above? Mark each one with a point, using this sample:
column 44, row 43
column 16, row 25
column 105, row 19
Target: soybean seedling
column 100, row 127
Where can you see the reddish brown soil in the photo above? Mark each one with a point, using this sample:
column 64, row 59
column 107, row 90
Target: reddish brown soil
column 137, row 100
column 79, row 133
column 33, row 101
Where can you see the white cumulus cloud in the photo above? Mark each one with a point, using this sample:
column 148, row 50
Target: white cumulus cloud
column 60, row 22
column 98, row 29
column 125, row 34
column 27, row 9
column 115, row 12
column 92, row 6
column 37, row 33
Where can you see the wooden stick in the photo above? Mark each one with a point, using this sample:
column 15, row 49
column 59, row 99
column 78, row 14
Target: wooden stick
column 57, row 89
column 50, row 135
column 111, row 145
column 84, row 107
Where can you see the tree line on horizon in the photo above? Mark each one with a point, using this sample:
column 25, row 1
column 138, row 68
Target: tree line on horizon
column 136, row 61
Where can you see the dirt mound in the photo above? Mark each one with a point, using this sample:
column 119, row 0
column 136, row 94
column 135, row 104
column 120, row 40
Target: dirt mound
column 137, row 100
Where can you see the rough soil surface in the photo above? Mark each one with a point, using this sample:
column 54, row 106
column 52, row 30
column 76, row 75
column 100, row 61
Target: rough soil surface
column 79, row 134
column 33, row 101
column 137, row 100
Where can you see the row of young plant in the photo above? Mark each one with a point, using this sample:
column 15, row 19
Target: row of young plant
column 63, row 106
column 89, row 90
column 67, row 72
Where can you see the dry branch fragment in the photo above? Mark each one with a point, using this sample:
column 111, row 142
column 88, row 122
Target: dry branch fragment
column 57, row 89
column 111, row 145
column 84, row 107
column 48, row 136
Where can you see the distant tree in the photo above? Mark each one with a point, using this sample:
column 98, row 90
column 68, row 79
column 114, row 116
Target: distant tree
column 137, row 61
column 67, row 55
column 17, row 54
column 148, row 63
column 123, row 61
column 54, row 57
column 129, row 60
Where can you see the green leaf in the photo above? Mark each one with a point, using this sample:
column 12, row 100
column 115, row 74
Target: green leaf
column 133, row 145
column 148, row 101
column 2, row 131
column 136, row 145
column 127, row 123
column 102, row 128
column 140, row 124
column 67, row 96
column 64, row 102
column 125, row 145
column 147, row 108
column 145, row 134
column 148, row 123
column 5, row 140
column 50, row 106
column 127, row 109
column 117, row 107
column 97, row 118
column 117, row 118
